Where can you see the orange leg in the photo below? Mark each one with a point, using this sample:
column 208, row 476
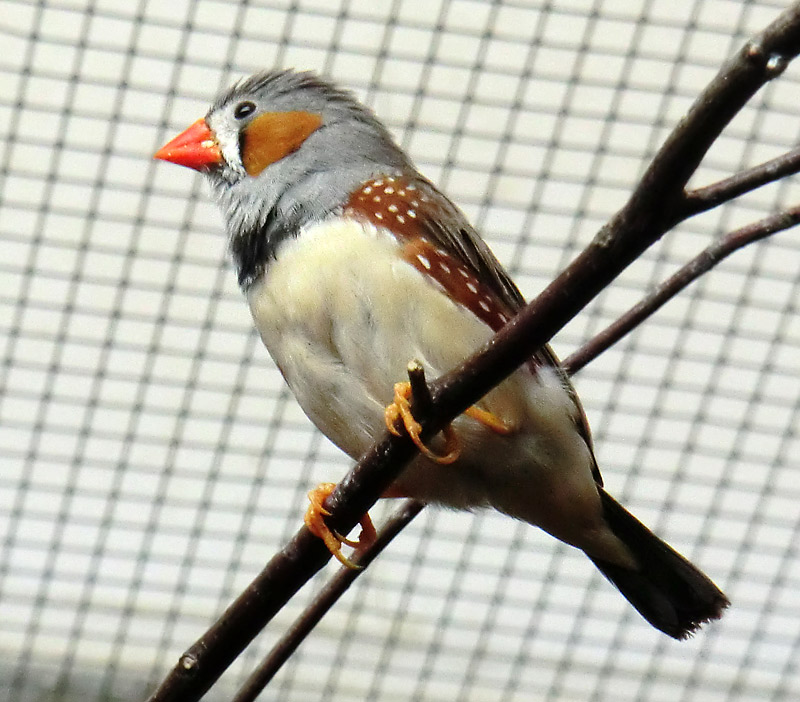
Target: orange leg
column 492, row 421
column 315, row 521
column 400, row 410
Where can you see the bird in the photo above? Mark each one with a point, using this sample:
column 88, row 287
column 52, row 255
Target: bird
column 352, row 264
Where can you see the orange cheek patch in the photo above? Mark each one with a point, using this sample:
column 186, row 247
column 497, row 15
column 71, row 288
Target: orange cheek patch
column 273, row 135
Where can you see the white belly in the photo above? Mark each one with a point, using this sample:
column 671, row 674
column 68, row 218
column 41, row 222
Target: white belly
column 342, row 315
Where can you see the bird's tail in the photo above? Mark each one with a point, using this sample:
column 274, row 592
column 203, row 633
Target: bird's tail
column 667, row 590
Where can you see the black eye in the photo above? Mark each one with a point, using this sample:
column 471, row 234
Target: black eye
column 243, row 109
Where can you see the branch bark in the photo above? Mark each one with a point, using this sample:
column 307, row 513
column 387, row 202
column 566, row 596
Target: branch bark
column 323, row 602
column 657, row 204
column 687, row 274
column 711, row 196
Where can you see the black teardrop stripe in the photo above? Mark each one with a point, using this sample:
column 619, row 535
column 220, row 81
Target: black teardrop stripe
column 254, row 248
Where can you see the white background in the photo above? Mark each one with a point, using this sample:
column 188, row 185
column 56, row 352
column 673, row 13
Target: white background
column 152, row 460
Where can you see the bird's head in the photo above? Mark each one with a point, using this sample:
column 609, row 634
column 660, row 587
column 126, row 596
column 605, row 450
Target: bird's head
column 284, row 145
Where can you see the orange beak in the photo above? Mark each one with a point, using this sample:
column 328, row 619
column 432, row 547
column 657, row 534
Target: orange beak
column 195, row 147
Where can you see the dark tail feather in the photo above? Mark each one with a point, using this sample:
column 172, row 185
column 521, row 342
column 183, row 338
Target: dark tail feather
column 667, row 590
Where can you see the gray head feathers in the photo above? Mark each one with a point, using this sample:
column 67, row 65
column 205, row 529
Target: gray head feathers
column 349, row 147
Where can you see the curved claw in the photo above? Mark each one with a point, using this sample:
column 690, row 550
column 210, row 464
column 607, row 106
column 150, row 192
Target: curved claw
column 314, row 519
column 400, row 410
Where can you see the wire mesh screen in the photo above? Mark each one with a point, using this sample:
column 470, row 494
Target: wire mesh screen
column 153, row 459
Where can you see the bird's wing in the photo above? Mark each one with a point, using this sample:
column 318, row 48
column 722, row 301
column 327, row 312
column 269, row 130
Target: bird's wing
column 439, row 241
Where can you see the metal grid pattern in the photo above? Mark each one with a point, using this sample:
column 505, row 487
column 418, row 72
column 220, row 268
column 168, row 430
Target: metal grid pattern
column 152, row 459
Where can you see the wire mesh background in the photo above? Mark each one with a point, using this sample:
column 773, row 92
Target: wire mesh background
column 153, row 461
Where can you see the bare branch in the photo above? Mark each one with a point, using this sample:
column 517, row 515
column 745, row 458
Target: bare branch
column 710, row 196
column 702, row 263
column 422, row 403
column 323, row 602
column 657, row 204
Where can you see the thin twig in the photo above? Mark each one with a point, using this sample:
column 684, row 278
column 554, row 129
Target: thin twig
column 702, row 263
column 421, row 401
column 323, row 602
column 711, row 196
column 656, row 205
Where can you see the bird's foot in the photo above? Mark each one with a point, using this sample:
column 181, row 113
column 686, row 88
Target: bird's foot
column 315, row 521
column 400, row 411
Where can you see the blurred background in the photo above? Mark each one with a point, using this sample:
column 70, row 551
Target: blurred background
column 152, row 460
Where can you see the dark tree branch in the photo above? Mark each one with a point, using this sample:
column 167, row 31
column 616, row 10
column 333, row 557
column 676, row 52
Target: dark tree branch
column 657, row 204
column 711, row 196
column 702, row 263
column 420, row 392
column 324, row 601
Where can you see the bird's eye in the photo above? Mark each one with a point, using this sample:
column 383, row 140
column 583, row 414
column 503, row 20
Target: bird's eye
column 243, row 109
